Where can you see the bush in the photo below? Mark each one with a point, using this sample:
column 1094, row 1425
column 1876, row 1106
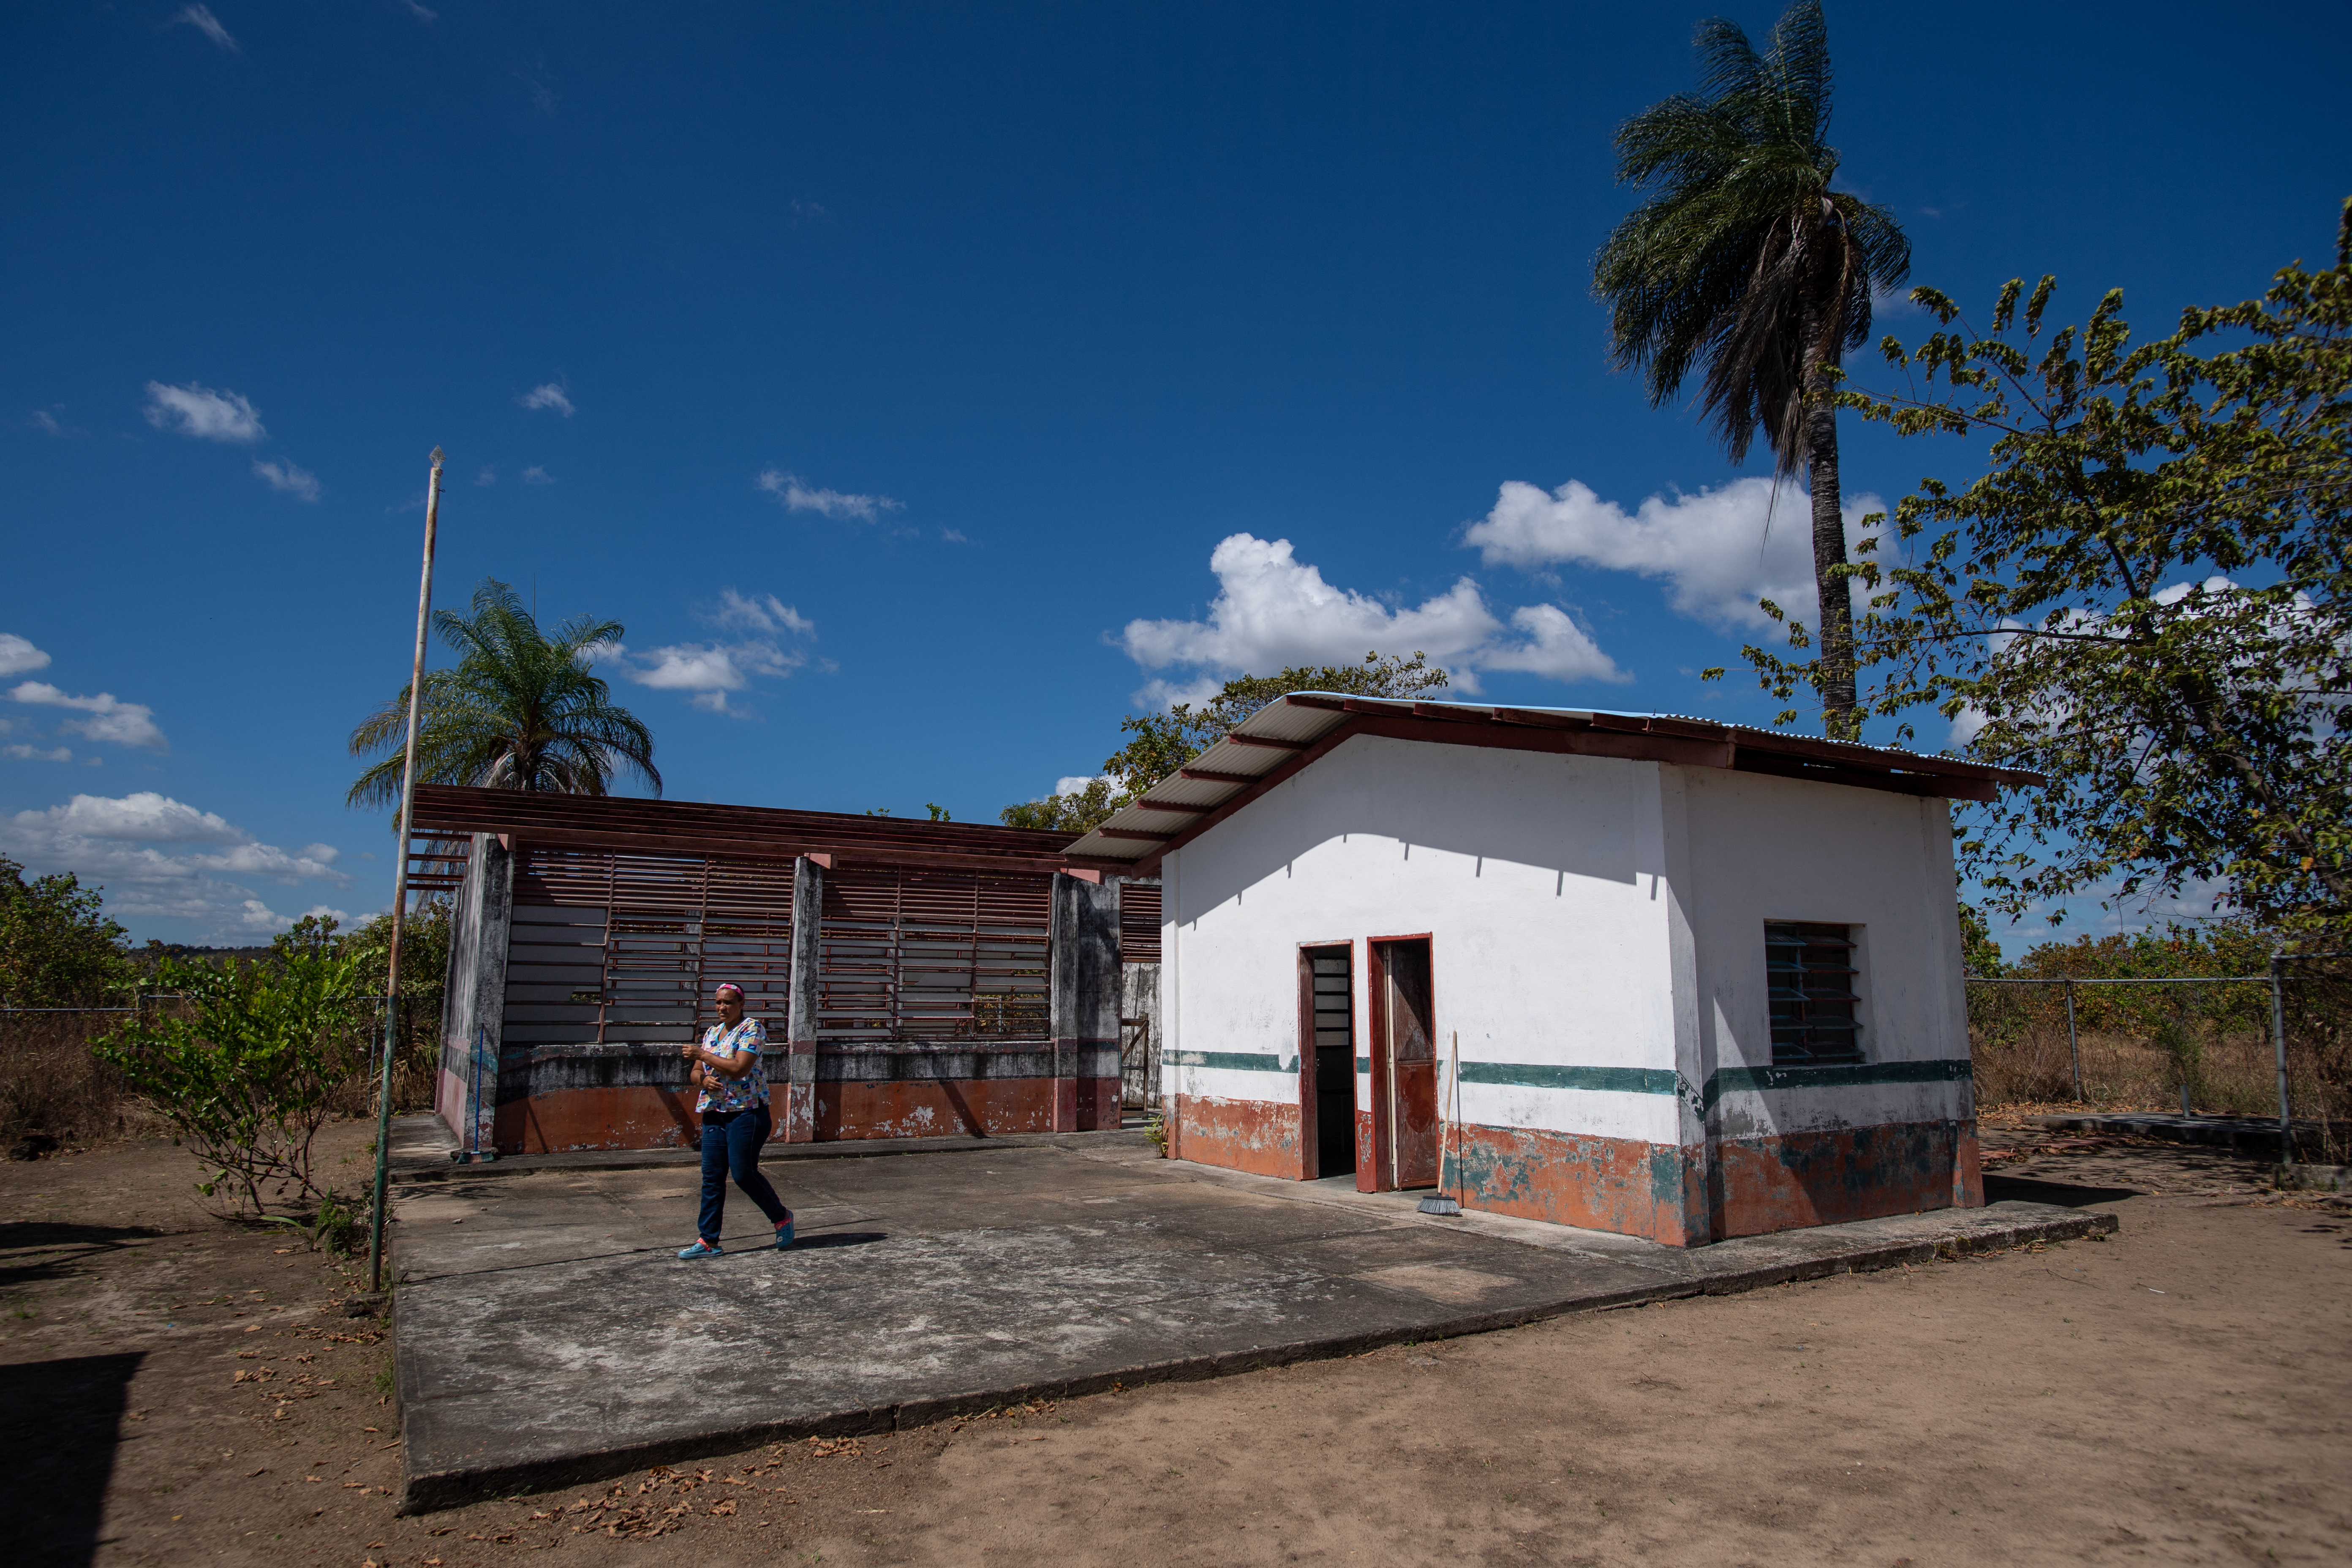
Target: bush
column 245, row 1071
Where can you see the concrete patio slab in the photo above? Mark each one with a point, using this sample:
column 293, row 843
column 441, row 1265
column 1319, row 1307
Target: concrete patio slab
column 547, row 1336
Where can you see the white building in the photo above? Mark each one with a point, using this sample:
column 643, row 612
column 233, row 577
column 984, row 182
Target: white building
column 1659, row 976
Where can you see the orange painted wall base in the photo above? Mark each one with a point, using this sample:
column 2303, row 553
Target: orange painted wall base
column 1659, row 1192
column 1254, row 1135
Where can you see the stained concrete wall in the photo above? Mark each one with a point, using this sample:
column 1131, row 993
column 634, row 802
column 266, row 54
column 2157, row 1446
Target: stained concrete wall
column 1596, row 932
column 473, row 1001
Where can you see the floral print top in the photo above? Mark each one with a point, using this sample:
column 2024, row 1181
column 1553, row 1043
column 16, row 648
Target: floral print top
column 726, row 1094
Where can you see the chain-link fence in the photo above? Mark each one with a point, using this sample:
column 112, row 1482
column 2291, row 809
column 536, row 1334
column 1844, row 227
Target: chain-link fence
column 2276, row 1045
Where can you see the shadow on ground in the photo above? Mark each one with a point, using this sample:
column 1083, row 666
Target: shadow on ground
column 58, row 1248
column 2065, row 1194
column 59, row 1422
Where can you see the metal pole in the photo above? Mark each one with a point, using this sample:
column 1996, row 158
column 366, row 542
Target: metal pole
column 2278, row 1039
column 2073, row 1047
column 399, row 883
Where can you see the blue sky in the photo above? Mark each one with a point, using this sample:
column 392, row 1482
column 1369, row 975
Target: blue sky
column 926, row 387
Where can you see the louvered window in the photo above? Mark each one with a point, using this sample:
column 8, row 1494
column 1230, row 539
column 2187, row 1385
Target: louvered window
column 1811, row 973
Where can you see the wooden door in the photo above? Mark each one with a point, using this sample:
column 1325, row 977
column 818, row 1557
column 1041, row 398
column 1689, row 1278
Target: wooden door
column 1408, row 1045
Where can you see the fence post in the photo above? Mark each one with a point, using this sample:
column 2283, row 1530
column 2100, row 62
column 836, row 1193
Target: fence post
column 2278, row 1038
column 2073, row 1047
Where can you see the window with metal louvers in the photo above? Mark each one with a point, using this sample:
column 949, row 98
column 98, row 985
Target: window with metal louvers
column 1810, row 971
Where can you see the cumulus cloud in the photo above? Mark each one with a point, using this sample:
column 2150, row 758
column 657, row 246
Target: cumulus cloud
column 111, row 718
column 796, row 496
column 1712, row 547
column 158, row 857
column 1272, row 610
column 17, row 655
column 199, row 411
column 548, row 394
column 300, row 483
column 140, row 818
column 201, row 19
column 488, row 476
column 758, row 613
column 707, row 670
column 24, row 754
column 535, row 474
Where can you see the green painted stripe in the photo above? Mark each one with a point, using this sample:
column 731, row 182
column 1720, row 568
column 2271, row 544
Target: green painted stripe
column 1234, row 1061
column 1851, row 1075
column 1605, row 1080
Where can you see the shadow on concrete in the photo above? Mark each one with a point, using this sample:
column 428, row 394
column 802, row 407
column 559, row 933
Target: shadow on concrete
column 2065, row 1194
column 59, row 1422
column 62, row 1246
column 840, row 1239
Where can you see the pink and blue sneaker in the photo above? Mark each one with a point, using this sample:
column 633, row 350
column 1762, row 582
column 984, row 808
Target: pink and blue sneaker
column 703, row 1249
column 784, row 1233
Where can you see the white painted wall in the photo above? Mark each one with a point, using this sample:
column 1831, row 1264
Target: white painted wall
column 1541, row 880
column 1764, row 848
column 1584, row 912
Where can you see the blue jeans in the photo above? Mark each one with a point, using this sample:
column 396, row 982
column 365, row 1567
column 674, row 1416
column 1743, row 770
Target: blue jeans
column 731, row 1141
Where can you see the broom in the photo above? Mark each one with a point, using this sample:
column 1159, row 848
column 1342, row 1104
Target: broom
column 1441, row 1204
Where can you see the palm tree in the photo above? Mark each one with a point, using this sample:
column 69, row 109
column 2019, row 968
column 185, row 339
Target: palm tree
column 520, row 711
column 1745, row 259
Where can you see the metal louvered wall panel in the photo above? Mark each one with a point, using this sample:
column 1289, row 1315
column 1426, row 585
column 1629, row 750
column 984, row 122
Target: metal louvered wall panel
column 626, row 948
column 1138, row 921
column 917, row 955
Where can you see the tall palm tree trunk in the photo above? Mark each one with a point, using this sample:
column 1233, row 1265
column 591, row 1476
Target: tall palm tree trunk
column 1840, row 720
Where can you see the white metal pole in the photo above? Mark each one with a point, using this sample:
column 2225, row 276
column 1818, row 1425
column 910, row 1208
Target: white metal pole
column 399, row 883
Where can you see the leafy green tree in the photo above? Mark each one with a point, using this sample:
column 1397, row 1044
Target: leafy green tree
column 1746, row 261
column 521, row 710
column 1163, row 743
column 2147, row 596
column 57, row 948
column 244, row 1071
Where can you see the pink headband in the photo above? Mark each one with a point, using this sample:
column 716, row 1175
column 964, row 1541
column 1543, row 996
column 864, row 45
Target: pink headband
column 725, row 986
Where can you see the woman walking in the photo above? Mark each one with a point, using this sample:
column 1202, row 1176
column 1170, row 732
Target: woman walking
column 736, row 1122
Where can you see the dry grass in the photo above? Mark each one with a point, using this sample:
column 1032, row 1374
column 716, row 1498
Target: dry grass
column 53, row 1087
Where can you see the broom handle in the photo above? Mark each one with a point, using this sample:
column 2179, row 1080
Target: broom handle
column 1454, row 1127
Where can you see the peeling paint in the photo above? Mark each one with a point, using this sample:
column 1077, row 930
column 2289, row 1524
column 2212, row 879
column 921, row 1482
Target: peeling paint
column 1260, row 1136
column 1858, row 1173
column 1620, row 1184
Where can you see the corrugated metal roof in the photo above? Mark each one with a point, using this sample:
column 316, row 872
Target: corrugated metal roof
column 1278, row 733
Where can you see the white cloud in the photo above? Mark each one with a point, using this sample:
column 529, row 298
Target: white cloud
column 45, row 422
column 488, row 476
column 796, row 496
column 17, row 656
column 760, row 613
column 535, row 474
column 421, row 14
column 200, row 412
column 953, row 536
column 300, row 483
column 1713, row 547
column 112, row 842
column 709, row 670
column 111, row 718
column 1076, row 782
column 35, row 754
column 201, row 19
column 140, row 818
column 1272, row 610
column 548, row 394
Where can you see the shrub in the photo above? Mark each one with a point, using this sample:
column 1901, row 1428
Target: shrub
column 244, row 1072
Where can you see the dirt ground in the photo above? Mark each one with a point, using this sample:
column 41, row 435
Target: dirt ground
column 176, row 1391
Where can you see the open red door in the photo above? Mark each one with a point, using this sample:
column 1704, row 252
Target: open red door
column 1404, row 1054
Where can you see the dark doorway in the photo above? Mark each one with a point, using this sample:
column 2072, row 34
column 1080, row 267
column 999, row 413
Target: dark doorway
column 1405, row 1065
column 1328, row 976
